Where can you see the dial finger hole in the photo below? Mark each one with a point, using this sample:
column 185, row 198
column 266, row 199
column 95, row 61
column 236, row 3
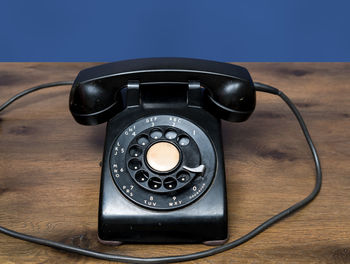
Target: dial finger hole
column 141, row 176
column 183, row 176
column 154, row 183
column 183, row 140
column 170, row 183
column 143, row 140
column 135, row 151
column 156, row 134
column 134, row 164
column 170, row 134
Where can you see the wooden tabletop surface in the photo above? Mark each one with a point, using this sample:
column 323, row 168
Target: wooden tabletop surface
column 50, row 173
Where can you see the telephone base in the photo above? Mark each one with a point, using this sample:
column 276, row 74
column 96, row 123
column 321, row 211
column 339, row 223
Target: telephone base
column 125, row 219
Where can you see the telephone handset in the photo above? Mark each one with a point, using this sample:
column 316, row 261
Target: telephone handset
column 163, row 177
column 95, row 95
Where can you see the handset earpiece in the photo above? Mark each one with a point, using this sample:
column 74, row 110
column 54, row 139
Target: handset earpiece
column 95, row 102
column 232, row 100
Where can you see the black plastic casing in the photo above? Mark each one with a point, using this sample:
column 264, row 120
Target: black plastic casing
column 201, row 91
column 203, row 221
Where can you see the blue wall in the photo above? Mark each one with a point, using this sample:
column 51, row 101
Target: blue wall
column 245, row 30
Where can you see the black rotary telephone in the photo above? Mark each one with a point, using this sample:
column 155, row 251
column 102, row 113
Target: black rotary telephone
column 163, row 175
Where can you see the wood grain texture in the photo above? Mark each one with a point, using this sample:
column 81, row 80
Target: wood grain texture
column 49, row 169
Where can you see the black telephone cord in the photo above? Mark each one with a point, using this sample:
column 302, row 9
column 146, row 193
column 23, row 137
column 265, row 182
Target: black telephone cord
column 206, row 253
column 33, row 89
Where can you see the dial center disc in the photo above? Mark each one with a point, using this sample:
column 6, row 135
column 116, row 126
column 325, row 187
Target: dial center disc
column 163, row 156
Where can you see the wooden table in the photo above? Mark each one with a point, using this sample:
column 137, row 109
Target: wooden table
column 50, row 173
